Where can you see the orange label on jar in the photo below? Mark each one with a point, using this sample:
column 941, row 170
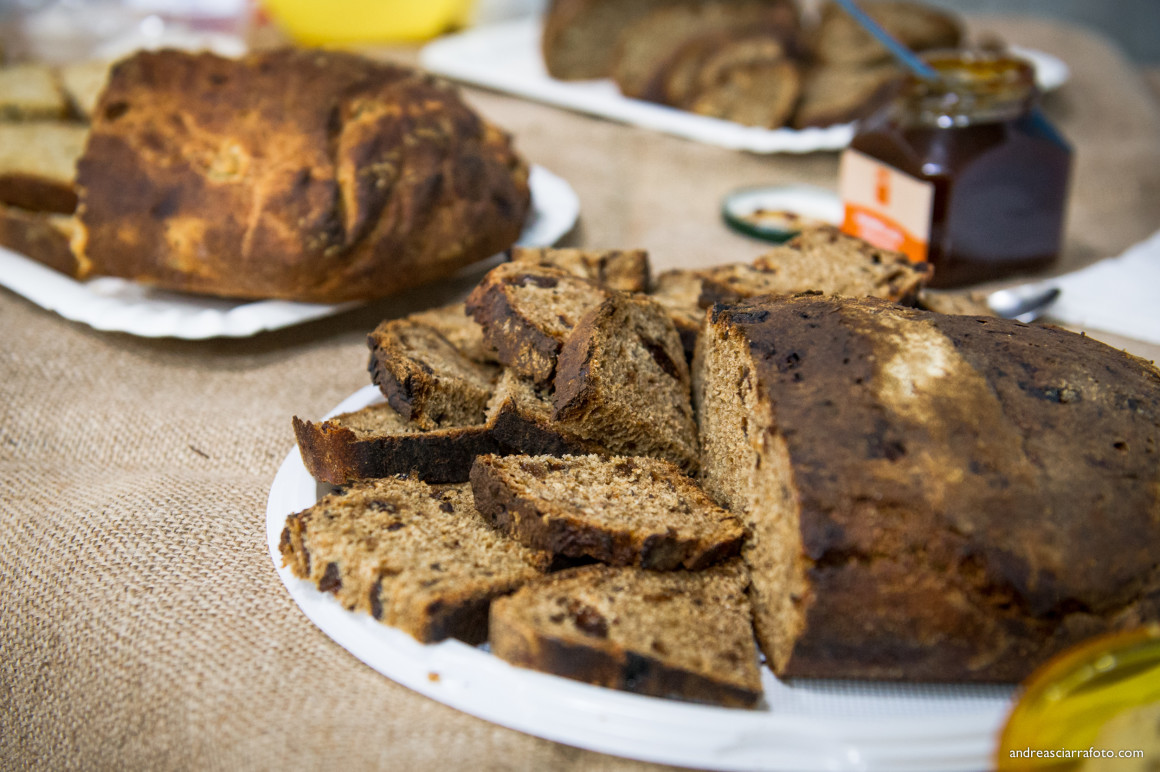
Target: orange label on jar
column 889, row 209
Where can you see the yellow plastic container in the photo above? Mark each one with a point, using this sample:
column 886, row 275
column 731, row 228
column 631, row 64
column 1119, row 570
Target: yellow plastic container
column 338, row 22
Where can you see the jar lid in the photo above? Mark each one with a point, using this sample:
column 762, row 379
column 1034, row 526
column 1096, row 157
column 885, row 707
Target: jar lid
column 778, row 213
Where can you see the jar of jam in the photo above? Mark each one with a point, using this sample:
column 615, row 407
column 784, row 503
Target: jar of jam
column 963, row 171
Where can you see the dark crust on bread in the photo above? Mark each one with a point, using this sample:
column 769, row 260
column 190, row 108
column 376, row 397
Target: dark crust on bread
column 517, row 342
column 977, row 542
column 374, row 178
column 37, row 194
column 518, row 432
column 336, row 455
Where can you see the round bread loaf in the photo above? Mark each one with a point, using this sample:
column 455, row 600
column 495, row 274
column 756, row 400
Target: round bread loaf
column 929, row 497
column 294, row 174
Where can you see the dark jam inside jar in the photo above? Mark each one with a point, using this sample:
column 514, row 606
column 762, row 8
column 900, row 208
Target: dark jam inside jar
column 999, row 171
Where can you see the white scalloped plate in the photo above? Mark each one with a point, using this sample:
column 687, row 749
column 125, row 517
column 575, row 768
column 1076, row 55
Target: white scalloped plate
column 506, row 56
column 118, row 305
column 806, row 724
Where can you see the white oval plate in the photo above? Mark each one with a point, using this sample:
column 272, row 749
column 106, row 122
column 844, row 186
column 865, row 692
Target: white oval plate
column 805, row 725
column 506, row 56
column 119, row 305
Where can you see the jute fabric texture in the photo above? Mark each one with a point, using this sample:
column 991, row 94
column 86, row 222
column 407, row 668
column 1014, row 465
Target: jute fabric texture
column 142, row 625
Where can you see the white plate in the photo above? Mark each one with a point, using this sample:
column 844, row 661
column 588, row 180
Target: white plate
column 806, row 725
column 506, row 56
column 118, row 305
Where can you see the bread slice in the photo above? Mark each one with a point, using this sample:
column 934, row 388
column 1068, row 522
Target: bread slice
column 415, row 557
column 38, row 162
column 377, row 442
column 682, row 635
column 619, row 269
column 520, row 419
column 460, row 330
column 623, row 380
column 620, row 510
column 425, row 378
column 841, row 40
column 527, row 311
column 836, row 94
column 823, row 259
column 42, row 236
column 761, row 93
column 30, row 92
column 83, row 83
column 579, row 38
column 646, row 48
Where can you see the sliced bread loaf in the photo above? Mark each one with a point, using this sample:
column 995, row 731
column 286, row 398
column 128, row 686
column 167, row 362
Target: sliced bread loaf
column 682, row 635
column 619, row 269
column 527, row 311
column 619, row 510
column 579, row 38
column 378, row 442
column 414, row 556
column 760, row 93
column 38, row 161
column 425, row 378
column 623, row 381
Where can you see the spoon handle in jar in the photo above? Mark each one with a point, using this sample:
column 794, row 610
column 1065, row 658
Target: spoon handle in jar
column 900, row 52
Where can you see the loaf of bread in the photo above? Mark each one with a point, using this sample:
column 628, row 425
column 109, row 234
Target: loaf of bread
column 683, row 635
column 620, row 510
column 295, row 174
column 413, row 556
column 929, row 497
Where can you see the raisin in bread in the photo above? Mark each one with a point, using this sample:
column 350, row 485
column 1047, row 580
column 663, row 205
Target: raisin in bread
column 425, row 378
column 929, row 497
column 623, row 381
column 682, row 635
column 413, row 556
column 527, row 310
column 619, row 510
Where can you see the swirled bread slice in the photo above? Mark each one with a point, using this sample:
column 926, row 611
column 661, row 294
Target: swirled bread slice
column 414, row 556
column 684, row 635
column 619, row 510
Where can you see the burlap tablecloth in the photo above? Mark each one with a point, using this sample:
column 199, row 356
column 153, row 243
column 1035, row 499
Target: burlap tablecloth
column 142, row 625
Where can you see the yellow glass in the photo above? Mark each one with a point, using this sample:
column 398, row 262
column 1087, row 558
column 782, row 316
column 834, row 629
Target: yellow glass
column 330, row 22
column 1068, row 703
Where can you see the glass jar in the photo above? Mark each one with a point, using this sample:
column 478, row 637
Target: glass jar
column 963, row 171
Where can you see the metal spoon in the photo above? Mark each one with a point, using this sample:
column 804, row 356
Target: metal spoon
column 1023, row 304
column 900, row 52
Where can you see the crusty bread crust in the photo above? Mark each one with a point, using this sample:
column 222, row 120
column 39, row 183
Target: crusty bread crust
column 960, row 497
column 201, row 175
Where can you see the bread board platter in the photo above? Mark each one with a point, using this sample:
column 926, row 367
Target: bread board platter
column 803, row 725
column 506, row 57
column 118, row 305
